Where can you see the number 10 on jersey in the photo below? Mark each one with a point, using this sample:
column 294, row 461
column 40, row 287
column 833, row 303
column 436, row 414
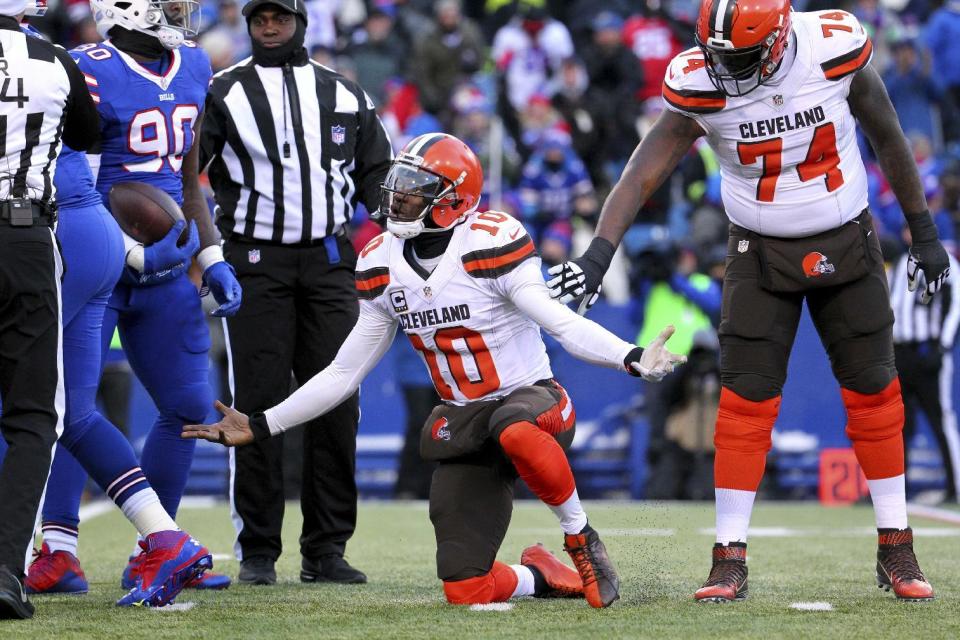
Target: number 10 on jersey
column 822, row 160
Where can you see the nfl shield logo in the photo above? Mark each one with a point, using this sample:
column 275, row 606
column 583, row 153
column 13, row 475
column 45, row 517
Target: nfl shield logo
column 427, row 292
column 253, row 256
column 743, row 245
column 778, row 100
column 338, row 134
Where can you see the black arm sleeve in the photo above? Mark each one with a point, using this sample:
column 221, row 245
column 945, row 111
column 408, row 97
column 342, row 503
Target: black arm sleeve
column 214, row 132
column 373, row 156
column 81, row 127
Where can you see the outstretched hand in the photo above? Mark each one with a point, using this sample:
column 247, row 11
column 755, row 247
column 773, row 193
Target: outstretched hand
column 233, row 431
column 656, row 361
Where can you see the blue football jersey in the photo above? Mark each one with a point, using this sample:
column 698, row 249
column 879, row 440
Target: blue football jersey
column 146, row 118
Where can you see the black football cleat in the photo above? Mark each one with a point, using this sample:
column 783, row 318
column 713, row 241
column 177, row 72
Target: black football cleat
column 727, row 581
column 897, row 566
column 601, row 584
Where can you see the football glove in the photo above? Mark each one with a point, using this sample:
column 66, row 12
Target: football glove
column 165, row 254
column 927, row 255
column 580, row 278
column 655, row 362
column 222, row 282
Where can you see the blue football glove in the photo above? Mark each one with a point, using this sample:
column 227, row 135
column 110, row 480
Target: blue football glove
column 158, row 277
column 165, row 254
column 221, row 279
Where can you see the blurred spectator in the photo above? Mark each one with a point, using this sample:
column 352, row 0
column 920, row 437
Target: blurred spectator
column 615, row 79
column 538, row 122
column 942, row 38
column 378, row 54
column 582, row 13
column 668, row 284
column 583, row 115
column 529, row 50
column 882, row 25
column 554, row 187
column 321, row 24
column 219, row 47
column 232, row 28
column 445, row 57
column 912, row 91
column 403, row 116
column 653, row 38
column 473, row 123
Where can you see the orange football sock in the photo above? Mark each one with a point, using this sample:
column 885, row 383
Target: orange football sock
column 742, row 440
column 875, row 427
column 540, row 461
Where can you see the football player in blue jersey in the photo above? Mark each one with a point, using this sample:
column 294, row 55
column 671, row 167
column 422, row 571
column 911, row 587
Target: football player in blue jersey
column 92, row 243
column 150, row 83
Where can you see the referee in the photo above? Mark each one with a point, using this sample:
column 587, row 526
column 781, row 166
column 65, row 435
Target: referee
column 291, row 146
column 924, row 337
column 43, row 101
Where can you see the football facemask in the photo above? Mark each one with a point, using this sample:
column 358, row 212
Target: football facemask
column 409, row 194
column 170, row 21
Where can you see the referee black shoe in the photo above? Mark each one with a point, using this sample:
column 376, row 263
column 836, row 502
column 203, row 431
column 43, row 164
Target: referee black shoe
column 330, row 568
column 13, row 598
column 257, row 570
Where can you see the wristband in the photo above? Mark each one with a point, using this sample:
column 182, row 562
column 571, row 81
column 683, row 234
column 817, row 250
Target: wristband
column 633, row 356
column 600, row 252
column 259, row 426
column 922, row 228
column 135, row 258
column 209, row 257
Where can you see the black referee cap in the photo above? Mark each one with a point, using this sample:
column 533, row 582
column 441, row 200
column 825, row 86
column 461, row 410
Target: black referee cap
column 296, row 7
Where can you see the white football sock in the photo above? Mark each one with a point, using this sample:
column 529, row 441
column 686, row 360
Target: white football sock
column 733, row 514
column 145, row 512
column 525, row 581
column 889, row 498
column 572, row 516
column 58, row 539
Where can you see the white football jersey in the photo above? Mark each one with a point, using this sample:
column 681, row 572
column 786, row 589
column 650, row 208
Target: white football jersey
column 788, row 154
column 475, row 342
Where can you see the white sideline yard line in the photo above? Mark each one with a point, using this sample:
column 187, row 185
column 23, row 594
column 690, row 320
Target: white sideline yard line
column 934, row 513
column 97, row 508
column 94, row 509
column 846, row 532
column 493, row 606
column 175, row 607
column 812, row 606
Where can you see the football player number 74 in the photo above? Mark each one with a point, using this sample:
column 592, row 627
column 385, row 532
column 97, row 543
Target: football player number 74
column 822, row 161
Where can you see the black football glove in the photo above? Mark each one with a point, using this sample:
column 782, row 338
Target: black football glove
column 927, row 255
column 581, row 277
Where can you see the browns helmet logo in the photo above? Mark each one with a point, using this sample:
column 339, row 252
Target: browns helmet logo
column 440, row 430
column 815, row 265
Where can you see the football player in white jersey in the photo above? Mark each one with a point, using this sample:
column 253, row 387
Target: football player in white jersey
column 778, row 95
column 467, row 290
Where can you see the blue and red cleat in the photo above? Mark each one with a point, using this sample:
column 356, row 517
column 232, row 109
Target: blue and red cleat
column 171, row 559
column 206, row 581
column 55, row 572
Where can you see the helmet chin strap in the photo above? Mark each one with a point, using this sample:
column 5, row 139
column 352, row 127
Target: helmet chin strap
column 170, row 38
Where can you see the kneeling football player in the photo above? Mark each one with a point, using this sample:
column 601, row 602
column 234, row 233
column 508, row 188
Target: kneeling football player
column 466, row 288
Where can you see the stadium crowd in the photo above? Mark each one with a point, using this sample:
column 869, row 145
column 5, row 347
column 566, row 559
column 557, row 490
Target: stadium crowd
column 554, row 96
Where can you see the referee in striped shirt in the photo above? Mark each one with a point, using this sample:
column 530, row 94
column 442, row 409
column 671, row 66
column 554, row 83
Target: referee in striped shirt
column 44, row 102
column 924, row 336
column 291, row 147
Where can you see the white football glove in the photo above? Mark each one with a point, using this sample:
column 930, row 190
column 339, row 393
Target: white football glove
column 655, row 361
column 570, row 284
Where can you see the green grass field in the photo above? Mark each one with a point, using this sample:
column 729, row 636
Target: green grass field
column 798, row 553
